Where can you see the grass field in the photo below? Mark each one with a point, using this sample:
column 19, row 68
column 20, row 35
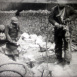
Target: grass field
column 36, row 22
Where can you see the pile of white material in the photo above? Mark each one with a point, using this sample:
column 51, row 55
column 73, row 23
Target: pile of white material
column 30, row 46
column 28, row 41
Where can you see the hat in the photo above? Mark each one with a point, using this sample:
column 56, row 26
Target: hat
column 2, row 27
column 14, row 20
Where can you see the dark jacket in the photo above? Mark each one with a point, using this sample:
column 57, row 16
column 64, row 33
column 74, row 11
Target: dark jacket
column 12, row 32
column 60, row 14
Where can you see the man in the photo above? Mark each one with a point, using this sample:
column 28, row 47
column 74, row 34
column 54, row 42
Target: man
column 12, row 32
column 2, row 39
column 59, row 17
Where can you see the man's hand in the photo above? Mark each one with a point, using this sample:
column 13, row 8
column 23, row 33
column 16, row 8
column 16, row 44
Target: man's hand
column 66, row 28
column 58, row 25
column 67, row 20
column 15, row 42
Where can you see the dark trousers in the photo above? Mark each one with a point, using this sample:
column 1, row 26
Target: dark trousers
column 11, row 51
column 62, row 44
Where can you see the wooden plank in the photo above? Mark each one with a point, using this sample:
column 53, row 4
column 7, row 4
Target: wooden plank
column 41, row 1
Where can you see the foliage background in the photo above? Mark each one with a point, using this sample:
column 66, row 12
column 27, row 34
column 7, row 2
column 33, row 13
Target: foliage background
column 36, row 22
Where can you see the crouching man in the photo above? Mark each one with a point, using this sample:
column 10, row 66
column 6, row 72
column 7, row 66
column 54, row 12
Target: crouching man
column 12, row 31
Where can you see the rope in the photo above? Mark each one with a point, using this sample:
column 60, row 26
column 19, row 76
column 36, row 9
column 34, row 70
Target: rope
column 46, row 47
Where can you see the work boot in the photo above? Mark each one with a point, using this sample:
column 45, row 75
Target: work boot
column 66, row 62
column 58, row 62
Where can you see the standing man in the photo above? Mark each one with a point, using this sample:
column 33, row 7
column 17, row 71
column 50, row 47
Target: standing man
column 12, row 32
column 59, row 17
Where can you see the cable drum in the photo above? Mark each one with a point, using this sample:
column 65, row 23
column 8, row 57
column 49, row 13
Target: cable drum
column 9, row 73
column 12, row 69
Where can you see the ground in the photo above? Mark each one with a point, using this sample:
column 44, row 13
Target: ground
column 58, row 69
column 45, row 69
